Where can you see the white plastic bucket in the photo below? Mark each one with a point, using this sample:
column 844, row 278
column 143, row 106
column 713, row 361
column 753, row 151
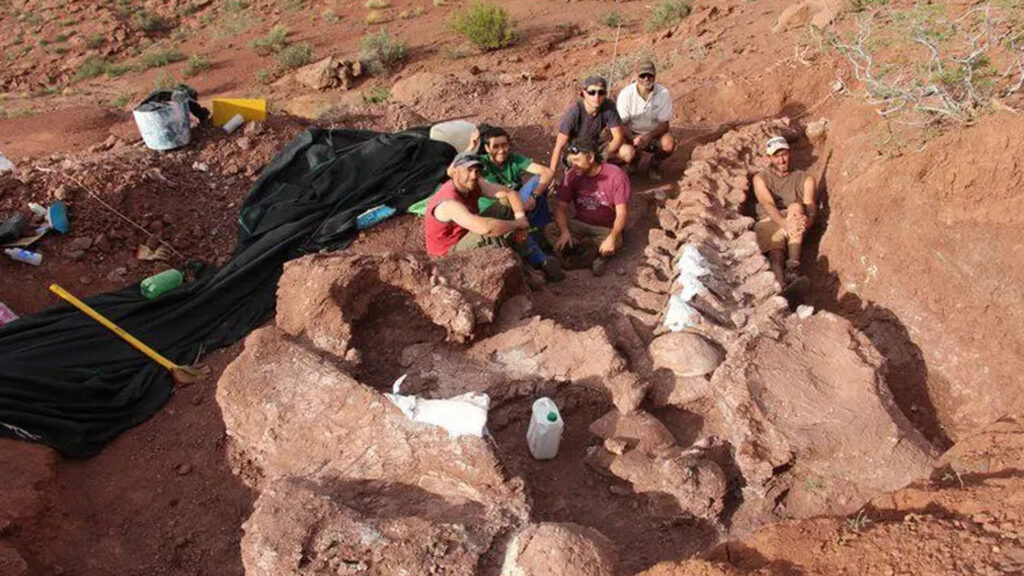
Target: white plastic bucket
column 163, row 125
column 458, row 133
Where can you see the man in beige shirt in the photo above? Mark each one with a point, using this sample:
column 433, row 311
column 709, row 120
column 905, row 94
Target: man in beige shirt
column 786, row 206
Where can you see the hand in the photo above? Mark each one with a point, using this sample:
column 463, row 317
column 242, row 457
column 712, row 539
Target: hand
column 521, row 223
column 607, row 247
column 564, row 241
column 474, row 141
column 530, row 203
column 796, row 224
column 637, row 140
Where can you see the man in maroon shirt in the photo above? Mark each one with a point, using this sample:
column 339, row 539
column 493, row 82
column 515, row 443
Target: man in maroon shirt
column 599, row 196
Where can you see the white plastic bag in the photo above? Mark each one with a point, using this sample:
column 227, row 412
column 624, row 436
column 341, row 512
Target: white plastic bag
column 462, row 415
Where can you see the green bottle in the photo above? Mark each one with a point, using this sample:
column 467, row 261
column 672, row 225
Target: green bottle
column 157, row 284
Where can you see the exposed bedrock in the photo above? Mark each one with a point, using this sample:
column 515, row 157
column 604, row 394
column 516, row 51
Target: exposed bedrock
column 560, row 549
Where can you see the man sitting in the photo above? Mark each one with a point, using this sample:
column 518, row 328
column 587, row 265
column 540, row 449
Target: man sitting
column 505, row 168
column 453, row 220
column 786, row 206
column 587, row 119
column 645, row 108
column 599, row 194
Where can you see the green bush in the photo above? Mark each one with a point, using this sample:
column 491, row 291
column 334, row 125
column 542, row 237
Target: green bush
column 487, row 26
column 275, row 41
column 668, row 13
column 196, row 65
column 160, row 58
column 148, row 22
column 92, row 67
column 294, row 56
column 381, row 52
column 612, row 19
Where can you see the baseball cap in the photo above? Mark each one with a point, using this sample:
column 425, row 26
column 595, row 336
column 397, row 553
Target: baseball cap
column 775, row 144
column 465, row 160
column 594, row 80
column 645, row 67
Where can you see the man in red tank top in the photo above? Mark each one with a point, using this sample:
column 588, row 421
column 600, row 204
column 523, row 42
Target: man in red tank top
column 453, row 222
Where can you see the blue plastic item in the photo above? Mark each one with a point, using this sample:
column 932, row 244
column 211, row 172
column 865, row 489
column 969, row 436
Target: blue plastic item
column 374, row 216
column 57, row 217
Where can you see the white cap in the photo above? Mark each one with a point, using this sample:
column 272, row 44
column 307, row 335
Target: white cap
column 775, row 144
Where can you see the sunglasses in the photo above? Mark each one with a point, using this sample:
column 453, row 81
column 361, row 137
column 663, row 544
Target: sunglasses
column 597, row 92
column 648, row 76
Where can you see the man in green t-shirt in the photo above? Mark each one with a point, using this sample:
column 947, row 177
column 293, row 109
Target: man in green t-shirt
column 502, row 166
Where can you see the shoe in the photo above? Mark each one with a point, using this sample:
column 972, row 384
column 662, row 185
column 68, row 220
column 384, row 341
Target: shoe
column 534, row 278
column 654, row 172
column 552, row 269
column 599, row 266
column 795, row 287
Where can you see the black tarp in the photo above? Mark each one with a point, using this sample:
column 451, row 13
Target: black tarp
column 68, row 382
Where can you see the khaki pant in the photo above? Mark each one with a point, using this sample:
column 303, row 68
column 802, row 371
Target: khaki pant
column 581, row 231
column 770, row 236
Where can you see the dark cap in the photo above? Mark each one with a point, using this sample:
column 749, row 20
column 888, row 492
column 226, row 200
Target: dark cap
column 594, row 80
column 645, row 67
column 466, row 160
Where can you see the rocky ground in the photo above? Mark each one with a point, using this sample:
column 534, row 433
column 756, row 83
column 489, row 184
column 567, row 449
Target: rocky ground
column 875, row 435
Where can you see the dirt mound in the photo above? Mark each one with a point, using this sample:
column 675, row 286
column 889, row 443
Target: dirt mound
column 31, row 476
column 304, row 528
column 553, row 549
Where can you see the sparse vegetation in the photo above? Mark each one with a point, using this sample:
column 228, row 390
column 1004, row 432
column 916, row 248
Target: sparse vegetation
column 263, row 76
column 165, row 81
column 95, row 41
column 331, row 17
column 160, row 58
column 92, row 67
column 376, row 95
column 668, row 13
column 375, row 17
column 121, row 100
column 291, row 5
column 148, row 22
column 612, row 19
column 377, row 4
column 115, row 70
column 196, row 65
column 381, row 52
column 920, row 66
column 455, row 52
column 862, row 5
column 275, row 41
column 294, row 56
column 486, row 25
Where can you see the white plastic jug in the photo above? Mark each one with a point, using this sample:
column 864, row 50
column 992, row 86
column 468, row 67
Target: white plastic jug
column 545, row 431
column 458, row 133
column 163, row 125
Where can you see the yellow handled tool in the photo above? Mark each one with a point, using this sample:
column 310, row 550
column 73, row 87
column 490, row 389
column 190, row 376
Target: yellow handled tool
column 181, row 374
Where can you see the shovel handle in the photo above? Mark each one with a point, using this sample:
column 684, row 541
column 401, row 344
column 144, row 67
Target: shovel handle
column 90, row 312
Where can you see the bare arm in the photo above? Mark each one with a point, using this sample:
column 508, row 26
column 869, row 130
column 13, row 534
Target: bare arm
column 452, row 211
column 562, row 219
column 546, row 175
column 810, row 200
column 608, row 245
column 618, row 137
column 560, row 143
column 764, row 197
column 506, row 196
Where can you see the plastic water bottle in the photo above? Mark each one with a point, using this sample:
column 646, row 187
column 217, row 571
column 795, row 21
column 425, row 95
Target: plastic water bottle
column 158, row 284
column 26, row 256
column 545, row 431
column 374, row 216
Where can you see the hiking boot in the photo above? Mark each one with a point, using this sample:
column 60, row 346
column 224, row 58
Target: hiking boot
column 534, row 279
column 599, row 266
column 654, row 172
column 552, row 269
column 795, row 287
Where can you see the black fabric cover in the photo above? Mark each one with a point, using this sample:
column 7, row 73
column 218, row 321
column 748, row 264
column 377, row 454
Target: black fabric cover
column 70, row 383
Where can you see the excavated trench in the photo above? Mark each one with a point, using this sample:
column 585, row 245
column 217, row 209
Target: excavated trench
column 706, row 410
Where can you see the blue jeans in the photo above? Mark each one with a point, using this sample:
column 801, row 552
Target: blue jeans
column 539, row 217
